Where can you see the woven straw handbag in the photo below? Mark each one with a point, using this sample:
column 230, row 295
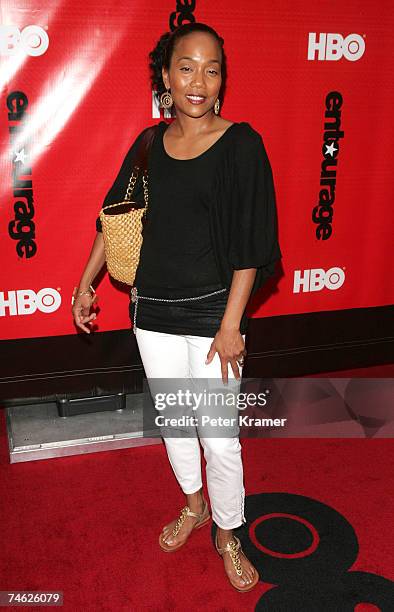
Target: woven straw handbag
column 122, row 224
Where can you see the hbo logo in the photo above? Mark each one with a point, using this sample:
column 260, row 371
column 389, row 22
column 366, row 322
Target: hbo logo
column 32, row 40
column 334, row 47
column 317, row 279
column 27, row 301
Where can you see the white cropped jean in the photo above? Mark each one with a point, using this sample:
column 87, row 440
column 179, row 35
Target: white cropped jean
column 183, row 356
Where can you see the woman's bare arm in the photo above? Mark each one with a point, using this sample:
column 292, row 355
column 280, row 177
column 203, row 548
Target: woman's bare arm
column 241, row 286
column 83, row 303
column 228, row 341
column 94, row 264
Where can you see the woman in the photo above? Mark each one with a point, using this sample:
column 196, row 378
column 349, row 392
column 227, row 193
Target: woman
column 209, row 243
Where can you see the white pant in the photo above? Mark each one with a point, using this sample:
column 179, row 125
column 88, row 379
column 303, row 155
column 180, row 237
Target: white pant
column 183, row 356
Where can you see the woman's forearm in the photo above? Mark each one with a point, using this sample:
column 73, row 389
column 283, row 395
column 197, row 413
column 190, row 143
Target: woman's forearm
column 94, row 264
column 241, row 286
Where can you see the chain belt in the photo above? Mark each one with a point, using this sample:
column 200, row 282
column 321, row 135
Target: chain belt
column 135, row 297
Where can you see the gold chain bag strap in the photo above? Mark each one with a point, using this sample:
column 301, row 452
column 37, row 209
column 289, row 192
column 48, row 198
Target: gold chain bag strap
column 122, row 225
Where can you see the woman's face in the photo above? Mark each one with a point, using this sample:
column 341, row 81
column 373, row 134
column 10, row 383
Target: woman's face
column 195, row 70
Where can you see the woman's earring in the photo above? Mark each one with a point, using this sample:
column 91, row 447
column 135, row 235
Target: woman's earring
column 166, row 100
column 216, row 107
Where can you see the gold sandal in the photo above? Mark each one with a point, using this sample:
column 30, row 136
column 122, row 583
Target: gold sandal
column 234, row 548
column 203, row 518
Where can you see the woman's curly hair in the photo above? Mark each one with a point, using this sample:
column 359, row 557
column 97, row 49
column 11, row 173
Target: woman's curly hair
column 161, row 55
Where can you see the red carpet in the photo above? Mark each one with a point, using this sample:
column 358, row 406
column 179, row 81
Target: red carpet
column 88, row 525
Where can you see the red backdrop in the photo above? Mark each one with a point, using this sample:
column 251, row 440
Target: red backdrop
column 312, row 78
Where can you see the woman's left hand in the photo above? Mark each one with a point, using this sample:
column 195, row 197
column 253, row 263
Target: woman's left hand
column 230, row 346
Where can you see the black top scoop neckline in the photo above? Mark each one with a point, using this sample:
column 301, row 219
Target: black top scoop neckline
column 166, row 125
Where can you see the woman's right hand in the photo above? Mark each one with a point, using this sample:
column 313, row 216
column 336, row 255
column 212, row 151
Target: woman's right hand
column 81, row 310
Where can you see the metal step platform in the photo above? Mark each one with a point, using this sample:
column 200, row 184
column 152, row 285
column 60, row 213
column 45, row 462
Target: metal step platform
column 38, row 431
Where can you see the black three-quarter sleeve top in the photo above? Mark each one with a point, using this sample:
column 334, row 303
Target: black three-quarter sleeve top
column 207, row 216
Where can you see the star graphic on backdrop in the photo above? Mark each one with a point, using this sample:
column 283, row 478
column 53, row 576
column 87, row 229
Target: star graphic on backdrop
column 21, row 156
column 330, row 149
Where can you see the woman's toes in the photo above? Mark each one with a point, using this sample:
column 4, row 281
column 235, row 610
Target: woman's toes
column 167, row 530
column 167, row 537
column 239, row 579
column 247, row 575
column 170, row 540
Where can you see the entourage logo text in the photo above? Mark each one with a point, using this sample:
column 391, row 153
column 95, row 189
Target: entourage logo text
column 22, row 227
column 322, row 214
column 182, row 14
column 333, row 47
